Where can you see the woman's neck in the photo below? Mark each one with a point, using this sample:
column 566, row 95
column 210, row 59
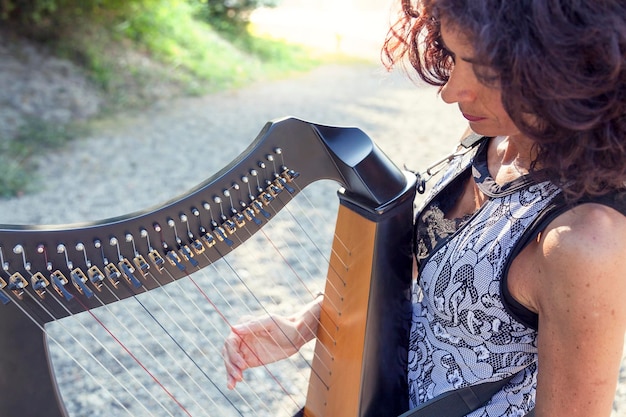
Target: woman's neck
column 510, row 157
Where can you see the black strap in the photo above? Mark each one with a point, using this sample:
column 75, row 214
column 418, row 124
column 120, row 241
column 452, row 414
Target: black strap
column 459, row 402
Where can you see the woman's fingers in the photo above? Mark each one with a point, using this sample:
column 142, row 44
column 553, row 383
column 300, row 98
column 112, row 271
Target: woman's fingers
column 254, row 342
column 233, row 360
column 252, row 326
column 233, row 377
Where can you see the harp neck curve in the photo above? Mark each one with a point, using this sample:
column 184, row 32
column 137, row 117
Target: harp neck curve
column 76, row 260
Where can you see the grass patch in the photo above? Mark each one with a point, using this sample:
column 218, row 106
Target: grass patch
column 18, row 154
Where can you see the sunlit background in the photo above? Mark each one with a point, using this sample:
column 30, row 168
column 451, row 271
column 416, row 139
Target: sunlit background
column 353, row 27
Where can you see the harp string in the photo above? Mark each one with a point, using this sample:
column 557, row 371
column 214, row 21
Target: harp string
column 177, row 343
column 257, row 300
column 276, row 248
column 265, row 309
column 106, row 348
column 276, row 380
column 145, row 351
column 302, row 217
column 304, row 228
column 166, row 351
column 311, row 227
column 160, row 324
column 206, row 276
column 308, row 289
column 141, row 364
column 60, row 346
column 116, row 316
column 193, row 344
column 117, row 339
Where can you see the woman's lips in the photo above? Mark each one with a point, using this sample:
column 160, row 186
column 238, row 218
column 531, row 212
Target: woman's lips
column 473, row 118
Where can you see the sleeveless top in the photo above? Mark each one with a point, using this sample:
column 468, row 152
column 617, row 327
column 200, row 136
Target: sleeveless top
column 461, row 333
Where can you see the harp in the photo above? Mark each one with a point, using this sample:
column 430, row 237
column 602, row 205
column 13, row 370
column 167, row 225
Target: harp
column 359, row 364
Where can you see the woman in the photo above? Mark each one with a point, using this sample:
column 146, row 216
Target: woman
column 545, row 82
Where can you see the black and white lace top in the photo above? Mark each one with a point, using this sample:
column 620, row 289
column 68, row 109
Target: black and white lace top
column 461, row 333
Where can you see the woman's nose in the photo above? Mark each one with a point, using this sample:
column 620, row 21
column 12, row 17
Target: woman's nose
column 460, row 87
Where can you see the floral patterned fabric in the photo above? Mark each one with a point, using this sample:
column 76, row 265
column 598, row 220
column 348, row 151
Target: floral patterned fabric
column 461, row 333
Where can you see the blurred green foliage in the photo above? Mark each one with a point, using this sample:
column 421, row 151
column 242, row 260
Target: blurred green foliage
column 231, row 16
column 203, row 45
column 37, row 16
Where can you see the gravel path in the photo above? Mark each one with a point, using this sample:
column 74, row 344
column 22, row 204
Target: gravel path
column 141, row 160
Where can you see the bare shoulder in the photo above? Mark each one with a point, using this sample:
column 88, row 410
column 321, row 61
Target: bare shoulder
column 579, row 288
column 582, row 255
column 587, row 233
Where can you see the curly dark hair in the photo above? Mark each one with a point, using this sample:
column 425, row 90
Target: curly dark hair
column 561, row 68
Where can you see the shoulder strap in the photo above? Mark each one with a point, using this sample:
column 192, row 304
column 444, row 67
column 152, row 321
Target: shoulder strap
column 459, row 402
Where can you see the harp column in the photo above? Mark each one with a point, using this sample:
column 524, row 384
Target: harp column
column 360, row 362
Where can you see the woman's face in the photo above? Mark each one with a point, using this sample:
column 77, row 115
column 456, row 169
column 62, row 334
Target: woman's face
column 480, row 104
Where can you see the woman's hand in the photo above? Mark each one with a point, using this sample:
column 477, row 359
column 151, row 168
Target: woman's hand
column 263, row 340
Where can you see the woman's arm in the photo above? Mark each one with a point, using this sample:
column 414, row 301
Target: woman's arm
column 579, row 291
column 262, row 340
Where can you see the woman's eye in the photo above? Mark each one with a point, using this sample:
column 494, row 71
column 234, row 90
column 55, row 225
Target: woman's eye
column 487, row 75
